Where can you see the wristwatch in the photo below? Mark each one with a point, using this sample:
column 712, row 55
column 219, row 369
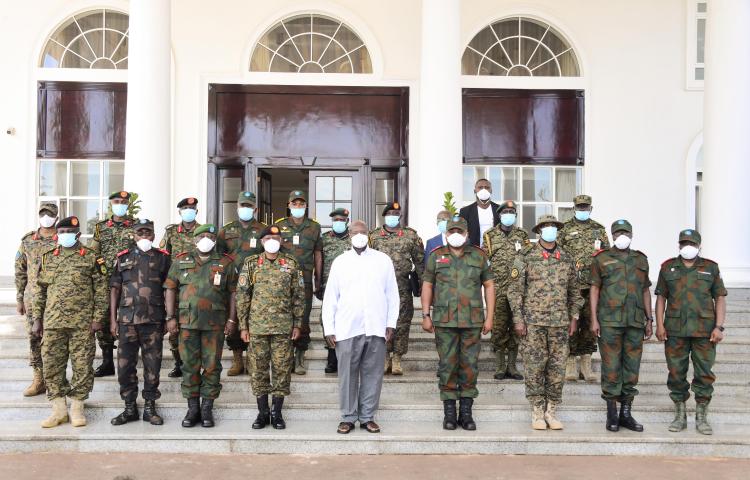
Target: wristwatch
column 172, row 317
column 426, row 315
column 721, row 328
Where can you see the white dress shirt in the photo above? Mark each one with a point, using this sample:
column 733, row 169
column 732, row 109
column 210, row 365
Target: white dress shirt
column 361, row 295
column 486, row 221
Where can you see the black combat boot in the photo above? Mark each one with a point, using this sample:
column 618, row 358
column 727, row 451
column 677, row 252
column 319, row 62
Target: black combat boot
column 177, row 370
column 107, row 367
column 613, row 424
column 332, row 364
column 130, row 414
column 193, row 415
column 626, row 420
column 464, row 413
column 449, row 415
column 150, row 415
column 277, row 421
column 207, row 412
column 264, row 413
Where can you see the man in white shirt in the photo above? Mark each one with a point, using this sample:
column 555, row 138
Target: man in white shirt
column 360, row 308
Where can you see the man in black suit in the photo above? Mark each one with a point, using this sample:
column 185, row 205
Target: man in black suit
column 482, row 214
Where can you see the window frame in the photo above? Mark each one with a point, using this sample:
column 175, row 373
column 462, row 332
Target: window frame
column 691, row 44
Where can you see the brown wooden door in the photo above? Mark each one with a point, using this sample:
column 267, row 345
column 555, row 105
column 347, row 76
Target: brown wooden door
column 264, row 197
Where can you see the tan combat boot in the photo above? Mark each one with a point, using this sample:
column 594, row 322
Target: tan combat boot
column 571, row 369
column 238, row 366
column 388, row 363
column 37, row 386
column 59, row 413
column 551, row 418
column 299, row 362
column 396, row 366
column 586, row 371
column 77, row 418
column 537, row 418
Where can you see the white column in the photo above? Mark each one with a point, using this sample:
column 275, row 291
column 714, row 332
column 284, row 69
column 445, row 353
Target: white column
column 438, row 166
column 726, row 173
column 148, row 134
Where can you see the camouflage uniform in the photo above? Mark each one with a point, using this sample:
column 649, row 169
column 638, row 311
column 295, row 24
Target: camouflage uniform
column 270, row 303
column 333, row 246
column 204, row 306
column 72, row 293
column 139, row 277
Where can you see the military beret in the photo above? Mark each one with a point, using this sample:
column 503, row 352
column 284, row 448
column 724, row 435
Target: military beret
column 188, row 202
column 205, row 228
column 391, row 206
column 457, row 222
column 144, row 223
column 69, row 222
column 343, row 212
column 690, row 235
column 507, row 204
column 48, row 207
column 270, row 230
column 297, row 195
column 120, row 194
column 582, row 200
column 621, row 226
column 246, row 197
column 546, row 219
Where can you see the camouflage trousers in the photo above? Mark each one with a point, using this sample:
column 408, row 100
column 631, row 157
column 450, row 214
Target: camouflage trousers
column 271, row 356
column 148, row 338
column 59, row 345
column 583, row 341
column 399, row 344
column 103, row 336
column 35, row 343
column 679, row 352
column 503, row 337
column 201, row 362
column 621, row 349
column 303, row 342
column 544, row 351
column 458, row 350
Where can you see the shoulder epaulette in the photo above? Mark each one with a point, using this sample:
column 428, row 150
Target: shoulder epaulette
column 640, row 253
column 280, row 220
column 437, row 248
column 120, row 254
column 667, row 261
column 229, row 256
column 162, row 251
column 181, row 254
column 709, row 260
column 33, row 232
column 599, row 251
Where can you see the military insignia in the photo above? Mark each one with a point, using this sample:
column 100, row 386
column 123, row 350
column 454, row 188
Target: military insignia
column 242, row 282
column 396, row 205
column 163, row 243
column 18, row 254
column 74, row 221
column 124, row 194
column 190, row 201
column 514, row 273
column 579, row 264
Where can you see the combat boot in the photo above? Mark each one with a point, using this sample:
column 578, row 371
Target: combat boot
column 626, row 419
column 130, row 414
column 277, row 420
column 59, row 413
column 449, row 415
column 464, row 413
column 77, row 418
column 512, row 371
column 396, row 365
column 207, row 412
column 332, row 363
column 586, row 371
column 550, row 416
column 107, row 367
column 238, row 366
column 176, row 372
column 193, row 415
column 680, row 418
column 388, row 363
column 264, row 413
column 299, row 362
column 37, row 386
column 571, row 369
column 500, row 364
column 150, row 415
column 613, row 423
column 701, row 419
column 537, row 418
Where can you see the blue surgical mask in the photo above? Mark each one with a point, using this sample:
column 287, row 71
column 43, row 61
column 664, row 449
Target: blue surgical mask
column 582, row 215
column 119, row 209
column 67, row 240
column 245, row 213
column 442, row 224
column 508, row 219
column 392, row 220
column 339, row 226
column 549, row 234
column 188, row 214
column 297, row 212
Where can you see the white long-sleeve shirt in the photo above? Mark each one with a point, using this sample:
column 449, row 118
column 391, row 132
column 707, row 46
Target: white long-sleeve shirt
column 361, row 295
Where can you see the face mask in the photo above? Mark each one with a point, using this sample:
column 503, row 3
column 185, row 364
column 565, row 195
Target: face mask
column 508, row 219
column 441, row 225
column 144, row 244
column 359, row 240
column 245, row 213
column 297, row 212
column 66, row 240
column 205, row 244
column 46, row 221
column 582, row 215
column 456, row 240
column 271, row 245
column 622, row 242
column 339, row 226
column 689, row 252
column 119, row 209
column 188, row 214
column 549, row 234
column 392, row 220
column 484, row 194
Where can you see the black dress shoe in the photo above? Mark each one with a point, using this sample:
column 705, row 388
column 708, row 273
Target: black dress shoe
column 464, row 414
column 193, row 415
column 150, row 415
column 277, row 421
column 130, row 414
column 613, row 424
column 626, row 419
column 207, row 412
column 264, row 413
column 449, row 415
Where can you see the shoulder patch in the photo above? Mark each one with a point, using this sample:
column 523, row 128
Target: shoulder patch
column 120, row 254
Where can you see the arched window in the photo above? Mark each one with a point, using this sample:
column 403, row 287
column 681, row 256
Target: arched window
column 310, row 44
column 92, row 39
column 519, row 47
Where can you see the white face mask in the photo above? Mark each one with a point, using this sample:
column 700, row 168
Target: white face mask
column 689, row 252
column 46, row 221
column 359, row 240
column 205, row 244
column 456, row 240
column 484, row 194
column 271, row 245
column 144, row 244
column 622, row 242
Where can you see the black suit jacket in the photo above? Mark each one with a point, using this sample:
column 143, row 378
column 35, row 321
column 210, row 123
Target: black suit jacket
column 469, row 212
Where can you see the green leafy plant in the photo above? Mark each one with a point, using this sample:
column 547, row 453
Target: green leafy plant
column 449, row 203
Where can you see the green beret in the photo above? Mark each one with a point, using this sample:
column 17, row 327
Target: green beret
column 391, row 206
column 188, row 202
column 621, row 226
column 297, row 195
column 144, row 223
column 343, row 212
column 205, row 228
column 48, row 207
column 69, row 222
column 457, row 222
column 690, row 235
column 582, row 200
column 246, row 197
column 120, row 194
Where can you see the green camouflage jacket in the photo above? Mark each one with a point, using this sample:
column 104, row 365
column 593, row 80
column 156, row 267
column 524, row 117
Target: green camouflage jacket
column 112, row 237
column 240, row 242
column 178, row 239
column 405, row 249
column 502, row 249
column 582, row 240
column 301, row 241
column 333, row 246
column 622, row 276
column 28, row 260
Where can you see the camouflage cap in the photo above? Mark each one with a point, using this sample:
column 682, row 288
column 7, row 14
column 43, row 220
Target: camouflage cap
column 297, row 195
column 144, row 224
column 341, row 212
column 270, row 230
column 507, row 204
column 246, row 197
column 188, row 202
column 621, row 226
column 69, row 222
column 120, row 194
column 582, row 200
column 48, row 207
column 391, row 206
column 546, row 219
column 205, row 228
column 690, row 235
column 457, row 222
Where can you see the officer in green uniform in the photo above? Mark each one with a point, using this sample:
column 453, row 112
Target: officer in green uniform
column 455, row 274
column 177, row 239
column 692, row 292
column 621, row 319
column 205, row 282
column 112, row 236
column 300, row 237
column 240, row 238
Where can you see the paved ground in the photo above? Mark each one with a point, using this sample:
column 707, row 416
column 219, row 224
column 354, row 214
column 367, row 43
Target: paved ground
column 61, row 466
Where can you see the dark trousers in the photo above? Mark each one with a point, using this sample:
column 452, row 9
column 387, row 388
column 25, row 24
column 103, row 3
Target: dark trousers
column 303, row 342
column 148, row 338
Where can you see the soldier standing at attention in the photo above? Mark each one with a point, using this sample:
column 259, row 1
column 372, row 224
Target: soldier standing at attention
column 68, row 305
column 28, row 259
column 137, row 320
column 205, row 281
column 691, row 290
column 406, row 250
column 621, row 318
column 581, row 237
column 300, row 238
column 545, row 298
column 502, row 243
column 270, row 307
column 177, row 239
column 111, row 236
column 456, row 275
column 335, row 242
column 240, row 239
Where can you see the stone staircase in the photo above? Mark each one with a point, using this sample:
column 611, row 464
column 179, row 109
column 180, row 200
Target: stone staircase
column 410, row 412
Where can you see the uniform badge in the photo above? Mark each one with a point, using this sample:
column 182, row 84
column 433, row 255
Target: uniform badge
column 514, row 273
column 242, row 281
column 518, row 246
column 597, row 244
column 579, row 264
